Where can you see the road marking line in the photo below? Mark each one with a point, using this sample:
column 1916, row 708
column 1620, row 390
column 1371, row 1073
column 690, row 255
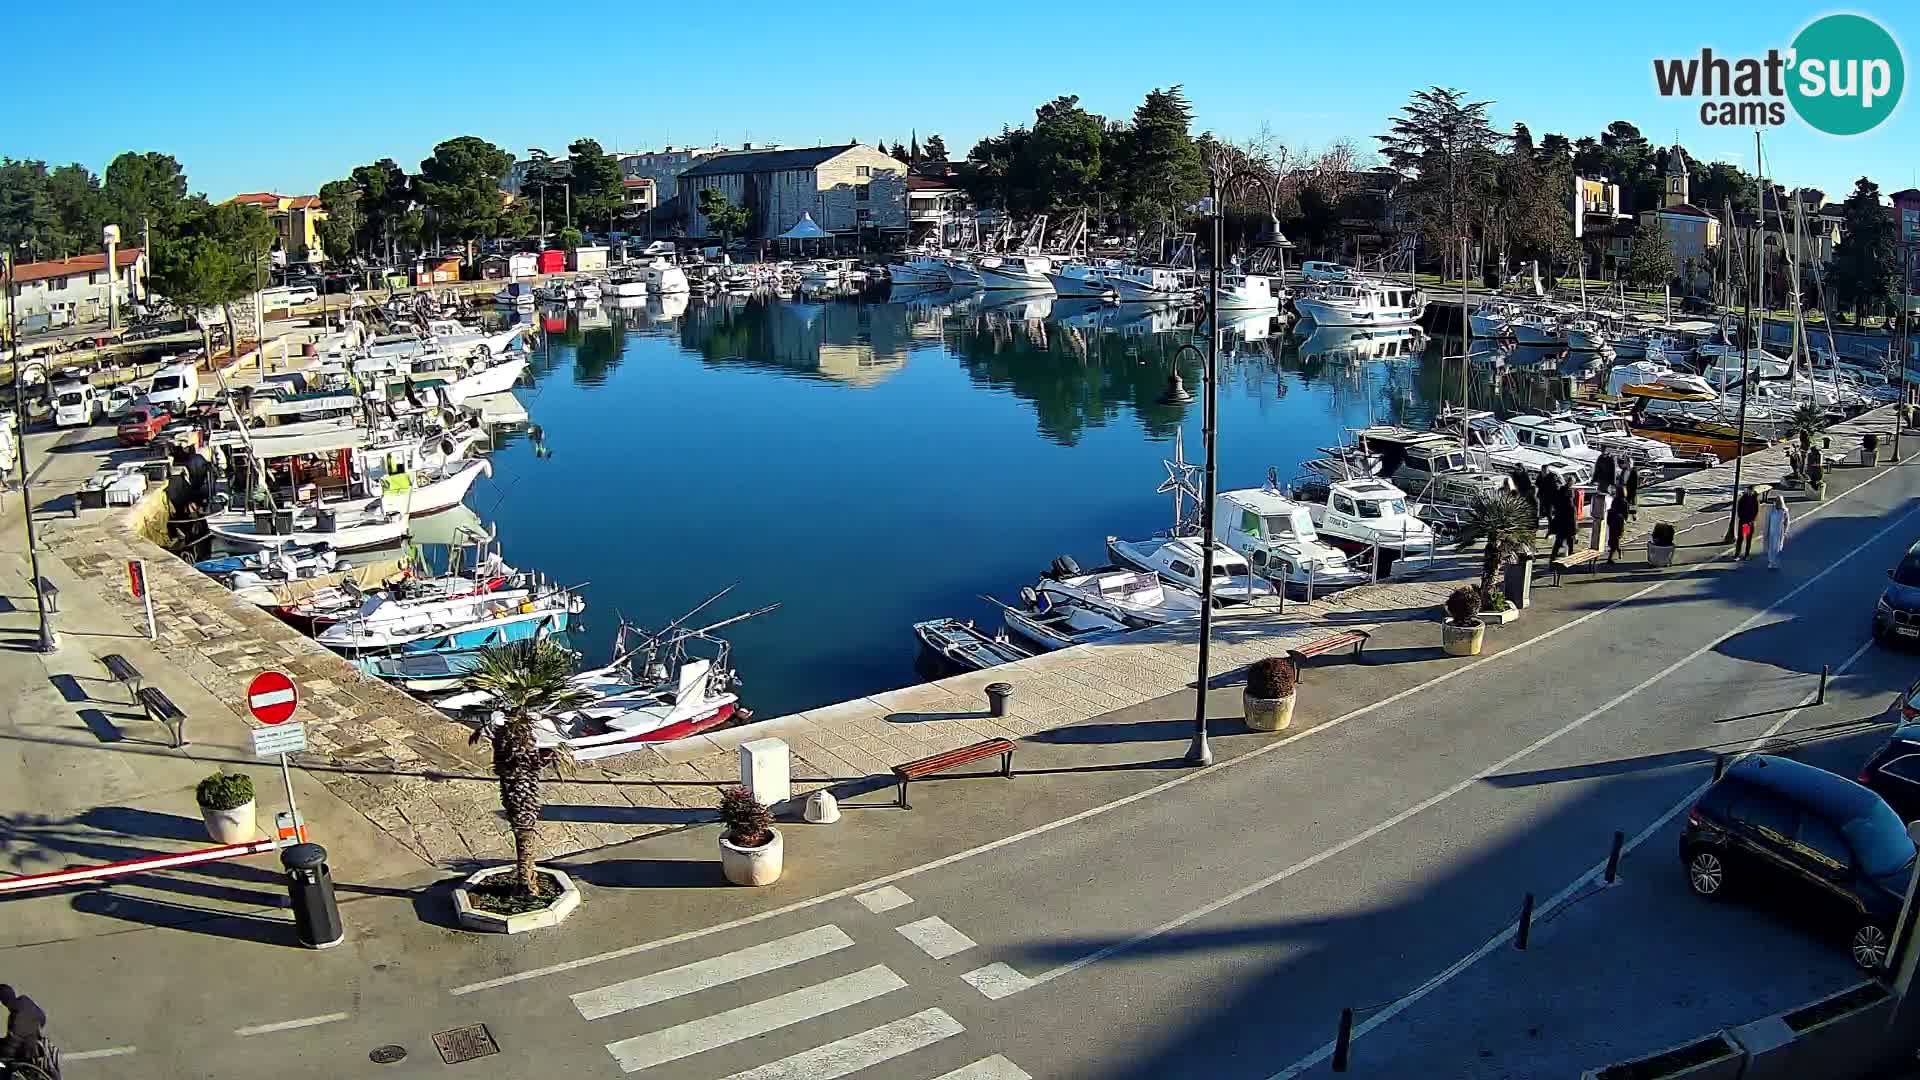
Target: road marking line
column 883, row 899
column 996, row 981
column 1095, row 811
column 289, row 1025
column 843, row 1057
column 987, row 1068
column 758, row 1018
column 89, row 1055
column 705, row 974
column 936, row 937
column 1559, row 898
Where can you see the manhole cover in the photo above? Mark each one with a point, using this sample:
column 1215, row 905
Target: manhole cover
column 465, row 1043
column 387, row 1055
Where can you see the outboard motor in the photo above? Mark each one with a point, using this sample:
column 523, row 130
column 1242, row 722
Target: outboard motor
column 1065, row 567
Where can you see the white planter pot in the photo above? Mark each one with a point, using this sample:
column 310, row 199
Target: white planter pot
column 1463, row 640
column 1502, row 617
column 1659, row 554
column 475, row 918
column 753, row 866
column 235, row 826
column 1269, row 714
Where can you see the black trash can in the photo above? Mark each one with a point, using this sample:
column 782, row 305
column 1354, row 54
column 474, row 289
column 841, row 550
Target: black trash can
column 310, row 885
column 998, row 694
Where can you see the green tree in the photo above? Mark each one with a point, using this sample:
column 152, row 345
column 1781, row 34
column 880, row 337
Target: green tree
column 214, row 258
column 1651, row 264
column 147, row 187
column 527, row 680
column 599, row 188
column 568, row 238
column 1864, row 272
column 1062, row 156
column 460, row 183
column 899, row 153
column 1445, row 144
column 935, row 148
column 1159, row 165
column 1720, row 183
column 722, row 215
column 340, row 231
column 1527, row 205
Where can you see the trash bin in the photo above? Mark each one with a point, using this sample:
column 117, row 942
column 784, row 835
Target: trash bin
column 1519, row 583
column 326, row 519
column 998, row 694
column 310, row 886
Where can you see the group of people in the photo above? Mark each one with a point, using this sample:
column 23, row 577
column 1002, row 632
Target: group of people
column 1747, row 513
column 1616, row 482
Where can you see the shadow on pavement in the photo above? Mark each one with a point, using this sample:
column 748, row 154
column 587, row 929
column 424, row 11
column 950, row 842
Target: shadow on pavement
column 168, row 915
column 133, row 821
column 625, row 815
column 649, row 873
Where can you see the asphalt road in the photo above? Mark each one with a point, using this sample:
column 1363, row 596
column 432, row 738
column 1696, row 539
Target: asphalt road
column 1129, row 918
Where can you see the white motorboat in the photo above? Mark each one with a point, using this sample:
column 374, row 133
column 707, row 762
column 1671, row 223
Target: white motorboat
column 515, row 295
column 482, row 620
column 360, row 527
column 1075, row 279
column 1046, row 623
column 1434, row 466
column 1363, row 515
column 427, row 491
column 1482, row 431
column 1131, row 597
column 625, row 286
column 1363, row 302
column 1247, row 292
column 1491, row 321
column 1025, row 272
column 926, row 267
column 1154, row 284
column 663, row 278
column 1178, row 560
column 962, row 272
column 1587, row 335
column 492, row 379
column 1610, row 432
column 1538, row 328
column 1558, row 436
column 1280, row 542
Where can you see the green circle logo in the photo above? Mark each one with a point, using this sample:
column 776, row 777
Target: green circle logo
column 1847, row 74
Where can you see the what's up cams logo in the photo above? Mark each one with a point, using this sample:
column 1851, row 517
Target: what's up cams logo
column 1843, row 75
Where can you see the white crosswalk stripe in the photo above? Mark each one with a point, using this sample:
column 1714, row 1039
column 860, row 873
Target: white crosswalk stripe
column 936, row 937
column 758, row 1018
column 882, row 899
column 987, row 1068
column 843, row 1057
column 718, row 971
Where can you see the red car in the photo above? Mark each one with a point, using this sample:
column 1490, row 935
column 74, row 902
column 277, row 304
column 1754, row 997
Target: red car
column 141, row 424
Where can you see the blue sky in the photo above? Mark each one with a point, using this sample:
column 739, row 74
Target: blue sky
column 269, row 97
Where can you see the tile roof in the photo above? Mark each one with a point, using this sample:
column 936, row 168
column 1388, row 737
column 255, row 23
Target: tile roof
column 304, row 202
column 258, row 198
column 768, row 161
column 79, row 264
column 1685, row 210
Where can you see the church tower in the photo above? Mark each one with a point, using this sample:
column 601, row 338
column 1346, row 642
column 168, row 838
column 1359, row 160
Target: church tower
column 1678, row 181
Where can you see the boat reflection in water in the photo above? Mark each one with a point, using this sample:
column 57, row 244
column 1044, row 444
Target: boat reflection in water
column 1351, row 345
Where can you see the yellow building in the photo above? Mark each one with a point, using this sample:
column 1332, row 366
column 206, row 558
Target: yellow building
column 296, row 217
column 1692, row 233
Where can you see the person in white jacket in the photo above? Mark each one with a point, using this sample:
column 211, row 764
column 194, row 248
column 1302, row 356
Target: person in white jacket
column 1778, row 520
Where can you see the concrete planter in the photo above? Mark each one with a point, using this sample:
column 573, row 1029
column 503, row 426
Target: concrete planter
column 1501, row 617
column 1659, row 554
column 753, row 866
column 1269, row 714
column 235, row 826
column 1715, row 1057
column 1828, row 1037
column 553, row 914
column 1463, row 640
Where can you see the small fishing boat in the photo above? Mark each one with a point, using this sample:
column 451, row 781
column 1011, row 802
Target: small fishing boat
column 1048, row 624
column 421, row 673
column 1177, row 560
column 284, row 561
column 1277, row 535
column 964, row 647
column 480, row 381
column 1247, row 292
column 1132, row 597
column 474, row 621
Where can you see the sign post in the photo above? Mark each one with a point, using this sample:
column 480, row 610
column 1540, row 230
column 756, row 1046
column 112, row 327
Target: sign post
column 272, row 699
column 137, row 581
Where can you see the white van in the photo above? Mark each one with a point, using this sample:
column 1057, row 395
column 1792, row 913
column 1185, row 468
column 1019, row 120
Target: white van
column 287, row 297
column 74, row 404
column 174, row 388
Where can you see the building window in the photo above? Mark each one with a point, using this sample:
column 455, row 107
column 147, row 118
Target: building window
column 56, row 284
column 862, row 170
column 861, row 214
column 93, row 277
column 860, row 193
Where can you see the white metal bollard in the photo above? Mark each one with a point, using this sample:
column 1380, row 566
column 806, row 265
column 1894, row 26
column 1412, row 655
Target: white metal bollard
column 765, row 770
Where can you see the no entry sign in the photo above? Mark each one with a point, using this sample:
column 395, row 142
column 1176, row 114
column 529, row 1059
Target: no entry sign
column 271, row 697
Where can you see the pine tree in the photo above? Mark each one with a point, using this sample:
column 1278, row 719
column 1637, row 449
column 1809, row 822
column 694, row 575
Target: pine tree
column 1864, row 274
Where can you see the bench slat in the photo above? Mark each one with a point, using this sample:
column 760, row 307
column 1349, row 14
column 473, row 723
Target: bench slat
column 1328, row 644
column 951, row 758
column 120, row 668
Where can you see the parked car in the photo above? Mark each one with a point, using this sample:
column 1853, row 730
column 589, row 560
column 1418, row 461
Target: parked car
column 119, row 399
column 141, row 424
column 1774, row 827
column 1896, row 616
column 1893, row 771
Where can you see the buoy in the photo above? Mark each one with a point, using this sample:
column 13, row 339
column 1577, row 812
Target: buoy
column 822, row 808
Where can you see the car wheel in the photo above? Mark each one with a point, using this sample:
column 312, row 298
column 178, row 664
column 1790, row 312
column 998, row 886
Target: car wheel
column 1869, row 946
column 1706, row 873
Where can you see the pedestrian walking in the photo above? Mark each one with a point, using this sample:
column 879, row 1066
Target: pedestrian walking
column 1523, row 488
column 1547, row 496
column 1616, row 525
column 1778, row 521
column 26, row 1025
column 1632, row 487
column 1564, row 525
column 1745, row 512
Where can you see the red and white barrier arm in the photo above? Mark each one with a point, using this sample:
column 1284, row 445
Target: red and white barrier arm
column 143, row 865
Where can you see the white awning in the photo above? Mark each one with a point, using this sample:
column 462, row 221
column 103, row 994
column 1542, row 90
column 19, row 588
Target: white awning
column 804, row 229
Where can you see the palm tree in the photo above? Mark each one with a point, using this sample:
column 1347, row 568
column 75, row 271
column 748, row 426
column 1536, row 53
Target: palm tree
column 1805, row 423
column 526, row 679
column 1506, row 522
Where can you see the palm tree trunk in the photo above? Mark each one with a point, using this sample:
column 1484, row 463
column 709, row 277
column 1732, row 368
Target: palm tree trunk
column 523, row 861
column 1489, row 566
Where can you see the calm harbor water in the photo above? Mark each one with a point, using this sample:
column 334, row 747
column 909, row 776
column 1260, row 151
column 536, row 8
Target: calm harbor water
column 869, row 464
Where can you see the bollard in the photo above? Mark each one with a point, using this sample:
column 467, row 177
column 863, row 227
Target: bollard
column 1613, row 857
column 1825, row 670
column 1343, row 1042
column 316, row 918
column 998, row 694
column 1526, row 923
column 1679, row 496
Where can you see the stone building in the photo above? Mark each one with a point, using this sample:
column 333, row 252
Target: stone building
column 849, row 190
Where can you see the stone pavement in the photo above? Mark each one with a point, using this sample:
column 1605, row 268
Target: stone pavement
column 411, row 772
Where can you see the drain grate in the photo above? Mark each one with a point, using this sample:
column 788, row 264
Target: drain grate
column 465, row 1043
column 386, row 1055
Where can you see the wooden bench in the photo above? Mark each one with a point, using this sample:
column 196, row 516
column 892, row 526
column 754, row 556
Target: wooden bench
column 1355, row 638
column 161, row 709
column 927, row 766
column 1586, row 557
column 124, row 673
column 49, row 594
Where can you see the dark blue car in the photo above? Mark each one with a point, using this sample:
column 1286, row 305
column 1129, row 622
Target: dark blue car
column 1896, row 617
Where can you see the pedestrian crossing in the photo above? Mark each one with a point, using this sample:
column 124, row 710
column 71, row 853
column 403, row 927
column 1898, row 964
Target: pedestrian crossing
column 712, row 1014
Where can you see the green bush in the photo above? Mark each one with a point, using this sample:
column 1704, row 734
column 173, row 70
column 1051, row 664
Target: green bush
column 1494, row 600
column 749, row 823
column 1462, row 605
column 1271, row 678
column 224, row 791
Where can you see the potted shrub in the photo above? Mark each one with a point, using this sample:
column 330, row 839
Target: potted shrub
column 1463, row 632
column 1495, row 607
column 1660, row 546
column 1506, row 523
column 1817, row 480
column 1269, row 694
column 1870, row 449
column 751, row 850
column 226, row 805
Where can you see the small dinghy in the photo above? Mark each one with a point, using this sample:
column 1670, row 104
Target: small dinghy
column 288, row 561
column 1132, row 597
column 1048, row 623
column 965, row 647
column 425, row 673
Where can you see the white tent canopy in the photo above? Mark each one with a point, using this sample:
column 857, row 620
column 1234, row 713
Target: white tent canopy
column 804, row 229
